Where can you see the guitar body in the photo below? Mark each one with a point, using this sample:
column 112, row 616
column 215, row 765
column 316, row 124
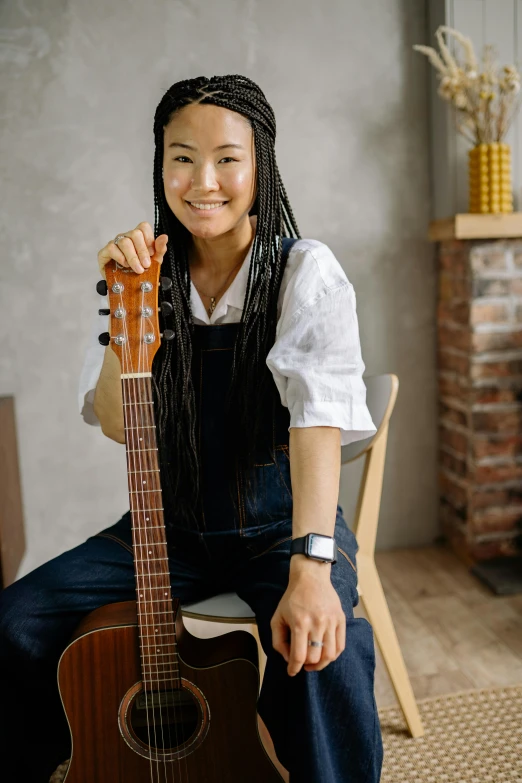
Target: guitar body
column 205, row 733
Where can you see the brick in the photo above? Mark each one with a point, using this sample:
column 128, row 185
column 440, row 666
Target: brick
column 453, row 463
column 486, row 258
column 496, row 369
column 453, row 492
column 457, row 441
column 497, row 421
column 484, row 287
column 516, row 286
column 502, row 394
column 486, row 550
column 454, row 263
column 452, row 386
column 495, row 341
column 451, row 287
column 494, row 521
column 452, row 413
column 454, row 362
column 490, row 474
column 495, row 446
column 489, row 312
column 449, row 337
column 517, row 258
column 499, row 497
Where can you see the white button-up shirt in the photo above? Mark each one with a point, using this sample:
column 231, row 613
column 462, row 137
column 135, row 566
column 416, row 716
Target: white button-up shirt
column 316, row 359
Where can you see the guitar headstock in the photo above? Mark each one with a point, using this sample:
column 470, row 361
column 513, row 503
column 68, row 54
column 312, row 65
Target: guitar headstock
column 133, row 307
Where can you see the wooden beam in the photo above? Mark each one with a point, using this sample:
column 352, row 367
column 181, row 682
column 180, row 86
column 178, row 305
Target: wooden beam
column 475, row 226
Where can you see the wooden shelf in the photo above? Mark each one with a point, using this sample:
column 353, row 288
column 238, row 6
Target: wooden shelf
column 475, row 226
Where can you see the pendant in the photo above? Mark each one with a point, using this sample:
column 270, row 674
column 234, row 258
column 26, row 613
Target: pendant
column 212, row 305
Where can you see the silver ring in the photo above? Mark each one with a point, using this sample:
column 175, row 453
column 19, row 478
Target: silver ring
column 315, row 644
column 117, row 239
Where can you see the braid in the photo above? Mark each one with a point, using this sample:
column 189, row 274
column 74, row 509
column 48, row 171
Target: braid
column 251, row 380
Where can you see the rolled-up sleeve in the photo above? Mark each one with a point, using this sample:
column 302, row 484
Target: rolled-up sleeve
column 91, row 369
column 317, row 365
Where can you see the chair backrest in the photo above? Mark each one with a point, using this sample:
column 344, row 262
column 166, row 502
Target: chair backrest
column 381, row 393
column 12, row 533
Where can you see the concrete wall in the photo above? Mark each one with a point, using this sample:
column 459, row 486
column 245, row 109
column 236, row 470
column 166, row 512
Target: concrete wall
column 79, row 84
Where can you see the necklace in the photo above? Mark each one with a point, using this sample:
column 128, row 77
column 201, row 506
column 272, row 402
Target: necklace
column 212, row 307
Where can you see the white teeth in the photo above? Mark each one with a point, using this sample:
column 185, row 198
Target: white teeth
column 207, row 206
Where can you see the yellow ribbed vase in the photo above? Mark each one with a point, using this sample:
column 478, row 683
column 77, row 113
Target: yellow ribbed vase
column 490, row 187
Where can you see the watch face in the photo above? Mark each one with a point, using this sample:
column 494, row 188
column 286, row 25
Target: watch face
column 321, row 546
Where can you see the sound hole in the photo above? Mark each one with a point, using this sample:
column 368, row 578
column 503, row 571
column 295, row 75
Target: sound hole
column 164, row 719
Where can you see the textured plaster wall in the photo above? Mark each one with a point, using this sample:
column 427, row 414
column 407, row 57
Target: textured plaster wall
column 79, row 83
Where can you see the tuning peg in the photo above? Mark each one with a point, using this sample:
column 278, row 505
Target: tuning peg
column 166, row 308
column 104, row 311
column 166, row 283
column 168, row 334
column 104, row 338
column 102, row 288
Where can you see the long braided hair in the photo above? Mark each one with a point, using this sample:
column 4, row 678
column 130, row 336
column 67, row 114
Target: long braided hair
column 251, row 380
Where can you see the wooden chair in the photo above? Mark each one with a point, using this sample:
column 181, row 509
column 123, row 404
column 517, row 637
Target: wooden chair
column 12, row 533
column 381, row 394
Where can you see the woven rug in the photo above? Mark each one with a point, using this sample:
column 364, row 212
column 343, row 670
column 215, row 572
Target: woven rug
column 469, row 737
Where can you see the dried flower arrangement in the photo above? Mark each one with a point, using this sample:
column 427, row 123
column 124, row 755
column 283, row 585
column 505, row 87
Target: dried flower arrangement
column 486, row 102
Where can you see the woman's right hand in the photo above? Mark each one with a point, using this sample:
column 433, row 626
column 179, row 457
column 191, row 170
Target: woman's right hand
column 135, row 250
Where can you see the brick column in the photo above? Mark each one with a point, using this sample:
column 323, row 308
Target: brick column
column 479, row 325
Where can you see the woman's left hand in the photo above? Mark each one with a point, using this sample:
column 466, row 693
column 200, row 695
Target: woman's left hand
column 309, row 609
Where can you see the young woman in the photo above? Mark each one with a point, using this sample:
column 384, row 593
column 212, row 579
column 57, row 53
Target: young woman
column 254, row 396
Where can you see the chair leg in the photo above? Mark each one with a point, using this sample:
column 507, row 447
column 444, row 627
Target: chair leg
column 261, row 652
column 376, row 607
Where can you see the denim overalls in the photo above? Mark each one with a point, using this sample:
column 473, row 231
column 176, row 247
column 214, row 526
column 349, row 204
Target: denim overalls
column 324, row 725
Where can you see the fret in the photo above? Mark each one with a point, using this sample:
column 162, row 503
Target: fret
column 152, row 470
column 138, row 491
column 133, row 451
column 166, row 590
column 149, row 559
column 153, row 527
column 142, row 427
column 153, row 672
column 156, row 655
column 138, row 403
column 154, row 600
column 157, row 645
column 148, row 574
column 153, row 680
column 153, row 614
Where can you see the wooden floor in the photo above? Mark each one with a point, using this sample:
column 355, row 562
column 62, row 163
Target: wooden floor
column 455, row 634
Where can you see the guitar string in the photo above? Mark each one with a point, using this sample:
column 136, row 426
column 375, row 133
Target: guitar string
column 126, row 366
column 149, row 417
column 136, row 383
column 167, row 588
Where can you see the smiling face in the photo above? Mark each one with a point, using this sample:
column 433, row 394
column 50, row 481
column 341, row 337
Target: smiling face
column 208, row 157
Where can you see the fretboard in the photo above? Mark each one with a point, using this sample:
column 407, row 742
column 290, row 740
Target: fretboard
column 158, row 643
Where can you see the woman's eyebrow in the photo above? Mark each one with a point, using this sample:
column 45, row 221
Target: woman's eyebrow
column 188, row 147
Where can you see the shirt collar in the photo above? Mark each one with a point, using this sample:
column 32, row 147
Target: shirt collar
column 234, row 296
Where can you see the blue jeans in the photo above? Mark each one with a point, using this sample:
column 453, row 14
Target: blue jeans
column 324, row 725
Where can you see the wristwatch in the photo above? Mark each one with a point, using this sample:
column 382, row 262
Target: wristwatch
column 316, row 546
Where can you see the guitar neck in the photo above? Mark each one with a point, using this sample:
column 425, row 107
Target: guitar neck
column 159, row 655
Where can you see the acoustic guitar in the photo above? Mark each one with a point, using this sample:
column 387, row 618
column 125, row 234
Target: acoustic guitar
column 147, row 701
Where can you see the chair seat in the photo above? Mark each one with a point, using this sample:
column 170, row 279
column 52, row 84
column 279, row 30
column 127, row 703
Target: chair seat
column 228, row 606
